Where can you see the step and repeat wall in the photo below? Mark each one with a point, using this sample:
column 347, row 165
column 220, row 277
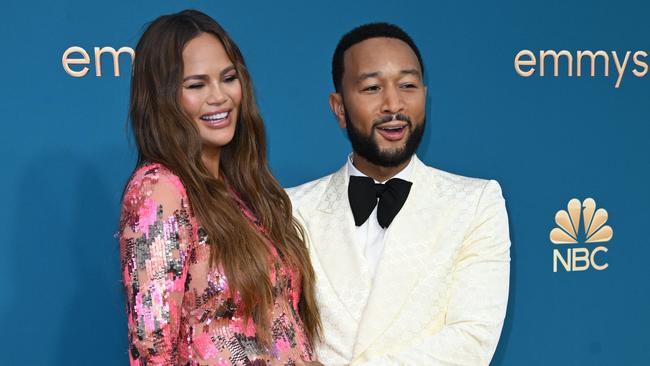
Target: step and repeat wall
column 552, row 99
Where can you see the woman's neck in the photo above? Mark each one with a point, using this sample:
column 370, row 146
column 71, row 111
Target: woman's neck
column 210, row 159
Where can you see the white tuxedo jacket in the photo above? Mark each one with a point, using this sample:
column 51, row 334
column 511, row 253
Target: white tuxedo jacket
column 440, row 291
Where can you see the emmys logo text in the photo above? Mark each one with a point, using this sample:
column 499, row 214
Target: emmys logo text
column 77, row 61
column 526, row 64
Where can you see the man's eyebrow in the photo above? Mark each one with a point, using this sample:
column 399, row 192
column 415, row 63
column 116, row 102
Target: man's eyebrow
column 368, row 75
column 203, row 77
column 414, row 72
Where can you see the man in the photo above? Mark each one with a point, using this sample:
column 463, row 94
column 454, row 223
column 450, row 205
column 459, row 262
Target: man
column 412, row 263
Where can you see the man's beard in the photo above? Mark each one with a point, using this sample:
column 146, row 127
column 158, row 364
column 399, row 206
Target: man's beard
column 366, row 146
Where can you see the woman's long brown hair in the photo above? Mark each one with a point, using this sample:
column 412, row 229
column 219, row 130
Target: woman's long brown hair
column 165, row 134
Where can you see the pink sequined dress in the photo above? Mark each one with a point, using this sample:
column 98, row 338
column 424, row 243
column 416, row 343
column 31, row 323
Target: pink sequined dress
column 178, row 307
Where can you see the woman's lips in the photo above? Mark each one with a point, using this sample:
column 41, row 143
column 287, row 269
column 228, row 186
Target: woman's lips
column 216, row 120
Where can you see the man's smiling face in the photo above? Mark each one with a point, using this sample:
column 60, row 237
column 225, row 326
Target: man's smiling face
column 382, row 100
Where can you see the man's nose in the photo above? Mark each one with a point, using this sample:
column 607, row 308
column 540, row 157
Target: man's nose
column 392, row 101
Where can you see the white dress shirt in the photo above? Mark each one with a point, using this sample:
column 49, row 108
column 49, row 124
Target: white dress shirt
column 370, row 236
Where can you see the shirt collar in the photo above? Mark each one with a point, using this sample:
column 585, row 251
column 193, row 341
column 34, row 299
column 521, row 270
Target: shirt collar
column 404, row 174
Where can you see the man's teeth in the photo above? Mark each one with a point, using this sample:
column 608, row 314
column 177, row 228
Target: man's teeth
column 392, row 128
column 215, row 117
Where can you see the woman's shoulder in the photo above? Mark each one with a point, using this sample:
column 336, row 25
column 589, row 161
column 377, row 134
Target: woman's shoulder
column 152, row 177
column 153, row 184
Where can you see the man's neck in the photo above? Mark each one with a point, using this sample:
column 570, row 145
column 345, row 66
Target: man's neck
column 377, row 172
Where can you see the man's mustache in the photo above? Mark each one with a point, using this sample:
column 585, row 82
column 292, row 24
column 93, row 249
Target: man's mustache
column 391, row 117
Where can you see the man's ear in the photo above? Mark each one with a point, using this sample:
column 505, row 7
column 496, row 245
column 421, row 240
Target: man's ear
column 337, row 107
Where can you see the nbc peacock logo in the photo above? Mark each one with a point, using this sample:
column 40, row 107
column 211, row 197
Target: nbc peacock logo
column 594, row 230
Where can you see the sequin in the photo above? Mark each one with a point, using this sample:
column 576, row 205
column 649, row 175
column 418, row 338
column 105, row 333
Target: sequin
column 179, row 308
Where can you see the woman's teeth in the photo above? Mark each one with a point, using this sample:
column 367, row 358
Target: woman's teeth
column 215, row 117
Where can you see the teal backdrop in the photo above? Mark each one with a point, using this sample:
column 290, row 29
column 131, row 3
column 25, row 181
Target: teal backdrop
column 66, row 154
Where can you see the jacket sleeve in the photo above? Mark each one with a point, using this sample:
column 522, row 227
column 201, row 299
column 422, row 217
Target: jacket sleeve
column 479, row 295
column 155, row 236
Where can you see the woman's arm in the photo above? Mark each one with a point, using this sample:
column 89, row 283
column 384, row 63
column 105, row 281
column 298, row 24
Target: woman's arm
column 155, row 240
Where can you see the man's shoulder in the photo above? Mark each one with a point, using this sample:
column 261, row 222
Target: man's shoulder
column 449, row 183
column 310, row 192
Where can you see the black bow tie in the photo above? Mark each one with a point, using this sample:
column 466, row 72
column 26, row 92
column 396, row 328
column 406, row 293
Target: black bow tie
column 363, row 193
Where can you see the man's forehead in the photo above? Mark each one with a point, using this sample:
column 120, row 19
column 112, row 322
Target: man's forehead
column 374, row 54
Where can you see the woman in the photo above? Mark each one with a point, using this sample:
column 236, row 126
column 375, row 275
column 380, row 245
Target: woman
column 215, row 268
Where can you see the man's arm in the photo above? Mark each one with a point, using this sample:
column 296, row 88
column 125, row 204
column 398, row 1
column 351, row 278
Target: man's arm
column 479, row 295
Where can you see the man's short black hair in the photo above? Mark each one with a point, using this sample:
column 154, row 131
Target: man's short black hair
column 360, row 34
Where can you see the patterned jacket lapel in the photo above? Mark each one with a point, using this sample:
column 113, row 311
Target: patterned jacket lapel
column 332, row 235
column 406, row 253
